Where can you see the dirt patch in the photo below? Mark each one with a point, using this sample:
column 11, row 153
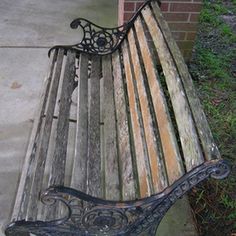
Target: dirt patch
column 15, row 85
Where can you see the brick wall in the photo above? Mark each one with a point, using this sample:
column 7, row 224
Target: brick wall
column 182, row 16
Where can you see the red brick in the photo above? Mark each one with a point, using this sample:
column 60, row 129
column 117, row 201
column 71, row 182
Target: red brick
column 127, row 16
column 176, row 16
column 183, row 26
column 179, row 35
column 191, row 36
column 194, row 17
column 165, row 6
column 129, row 6
column 139, row 4
column 185, row 7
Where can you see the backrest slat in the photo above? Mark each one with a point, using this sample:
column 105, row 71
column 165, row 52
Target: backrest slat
column 186, row 126
column 154, row 149
column 128, row 186
column 144, row 175
column 210, row 149
column 170, row 148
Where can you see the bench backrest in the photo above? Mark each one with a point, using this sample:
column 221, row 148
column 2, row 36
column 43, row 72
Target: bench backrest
column 170, row 128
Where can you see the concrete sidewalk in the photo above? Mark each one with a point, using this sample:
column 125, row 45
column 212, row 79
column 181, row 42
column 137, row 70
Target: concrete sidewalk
column 27, row 30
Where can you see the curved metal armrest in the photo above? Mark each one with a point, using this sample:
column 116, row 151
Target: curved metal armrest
column 100, row 40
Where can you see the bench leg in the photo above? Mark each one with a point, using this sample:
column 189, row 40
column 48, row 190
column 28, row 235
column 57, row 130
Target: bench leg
column 87, row 215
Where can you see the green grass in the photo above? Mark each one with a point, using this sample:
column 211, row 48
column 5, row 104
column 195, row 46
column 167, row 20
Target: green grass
column 215, row 201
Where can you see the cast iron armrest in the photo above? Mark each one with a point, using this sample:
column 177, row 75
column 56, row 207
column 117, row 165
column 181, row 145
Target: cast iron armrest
column 100, row 40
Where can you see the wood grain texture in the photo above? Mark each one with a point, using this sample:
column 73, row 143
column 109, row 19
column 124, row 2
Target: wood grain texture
column 145, row 185
column 59, row 158
column 94, row 178
column 186, row 126
column 38, row 172
column 128, row 184
column 210, row 149
column 171, row 152
column 155, row 155
column 79, row 174
column 58, row 164
column 112, row 185
column 22, row 196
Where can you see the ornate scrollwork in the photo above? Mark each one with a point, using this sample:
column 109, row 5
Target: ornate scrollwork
column 100, row 40
column 87, row 215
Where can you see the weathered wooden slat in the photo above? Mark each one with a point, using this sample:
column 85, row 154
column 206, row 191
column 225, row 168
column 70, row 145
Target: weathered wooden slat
column 125, row 156
column 186, row 127
column 155, row 154
column 38, row 172
column 22, row 196
column 59, row 157
column 145, row 185
column 112, row 185
column 210, row 149
column 57, row 173
column 94, row 178
column 102, row 146
column 79, row 174
column 173, row 159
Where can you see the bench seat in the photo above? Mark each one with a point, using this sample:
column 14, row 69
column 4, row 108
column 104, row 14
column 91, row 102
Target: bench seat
column 119, row 136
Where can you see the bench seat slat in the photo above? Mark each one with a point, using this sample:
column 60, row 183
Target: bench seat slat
column 171, row 152
column 94, row 177
column 155, row 154
column 59, row 158
column 58, row 163
column 37, row 178
column 79, row 172
column 111, row 167
column 144, row 175
column 186, row 127
column 20, row 206
column 128, row 184
column 209, row 147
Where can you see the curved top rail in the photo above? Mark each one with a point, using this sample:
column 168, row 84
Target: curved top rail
column 99, row 40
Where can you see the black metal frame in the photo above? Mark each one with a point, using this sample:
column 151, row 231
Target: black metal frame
column 99, row 40
column 87, row 215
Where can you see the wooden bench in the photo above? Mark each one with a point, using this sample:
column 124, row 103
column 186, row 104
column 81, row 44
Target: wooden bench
column 120, row 134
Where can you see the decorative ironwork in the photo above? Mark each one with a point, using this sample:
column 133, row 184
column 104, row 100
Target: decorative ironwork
column 87, row 215
column 100, row 40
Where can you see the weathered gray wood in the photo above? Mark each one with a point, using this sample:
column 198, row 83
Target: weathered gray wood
column 112, row 185
column 173, row 159
column 57, row 173
column 186, row 127
column 38, row 172
column 94, row 178
column 145, row 185
column 102, row 140
column 128, row 184
column 210, row 149
column 155, row 153
column 79, row 174
column 21, row 200
column 59, row 157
